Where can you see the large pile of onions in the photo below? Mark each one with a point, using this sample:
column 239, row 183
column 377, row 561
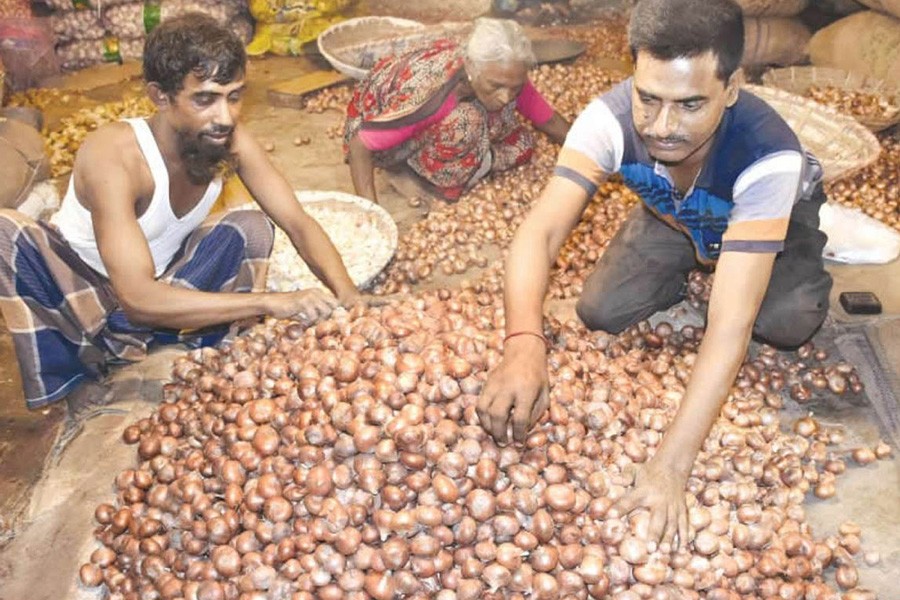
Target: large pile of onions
column 874, row 190
column 855, row 103
column 346, row 461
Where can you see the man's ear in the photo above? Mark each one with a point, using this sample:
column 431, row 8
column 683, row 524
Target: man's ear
column 160, row 99
column 733, row 87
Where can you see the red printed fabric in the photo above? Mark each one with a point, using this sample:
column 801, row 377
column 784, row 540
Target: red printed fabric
column 449, row 153
column 412, row 89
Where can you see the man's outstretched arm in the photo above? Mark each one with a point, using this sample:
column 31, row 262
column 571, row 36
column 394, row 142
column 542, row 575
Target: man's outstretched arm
column 109, row 189
column 276, row 197
column 516, row 391
column 738, row 290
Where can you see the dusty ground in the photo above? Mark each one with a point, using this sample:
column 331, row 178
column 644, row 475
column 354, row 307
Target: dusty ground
column 51, row 507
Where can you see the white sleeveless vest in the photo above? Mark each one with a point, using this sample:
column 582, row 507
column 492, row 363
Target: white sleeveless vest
column 163, row 230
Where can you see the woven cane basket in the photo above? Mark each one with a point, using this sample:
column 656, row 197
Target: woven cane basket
column 797, row 80
column 363, row 233
column 841, row 144
column 354, row 46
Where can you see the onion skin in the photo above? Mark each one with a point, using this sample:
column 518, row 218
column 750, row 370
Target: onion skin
column 90, row 575
column 846, row 577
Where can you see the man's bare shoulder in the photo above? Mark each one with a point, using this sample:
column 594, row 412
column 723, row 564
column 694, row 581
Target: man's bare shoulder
column 112, row 145
column 110, row 165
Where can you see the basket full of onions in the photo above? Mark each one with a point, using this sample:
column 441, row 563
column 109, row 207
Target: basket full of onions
column 364, row 234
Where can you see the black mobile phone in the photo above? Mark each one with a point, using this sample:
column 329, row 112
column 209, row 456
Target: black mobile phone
column 860, row 303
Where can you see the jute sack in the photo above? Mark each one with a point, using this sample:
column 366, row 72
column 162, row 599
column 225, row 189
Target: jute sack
column 867, row 43
column 772, row 8
column 838, row 7
column 22, row 161
column 774, row 41
column 892, row 7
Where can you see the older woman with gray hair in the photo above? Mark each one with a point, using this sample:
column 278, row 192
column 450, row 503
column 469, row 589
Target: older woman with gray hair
column 447, row 111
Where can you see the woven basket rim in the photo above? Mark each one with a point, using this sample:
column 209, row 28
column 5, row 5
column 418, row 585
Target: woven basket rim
column 333, row 50
column 384, row 223
column 797, row 79
column 358, row 202
column 838, row 141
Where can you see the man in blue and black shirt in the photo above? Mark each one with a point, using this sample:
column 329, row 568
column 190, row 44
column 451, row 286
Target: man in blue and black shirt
column 724, row 182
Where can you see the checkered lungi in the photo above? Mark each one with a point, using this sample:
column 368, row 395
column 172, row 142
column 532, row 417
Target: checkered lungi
column 64, row 317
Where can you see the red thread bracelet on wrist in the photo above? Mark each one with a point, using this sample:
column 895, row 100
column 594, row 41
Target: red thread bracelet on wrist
column 534, row 333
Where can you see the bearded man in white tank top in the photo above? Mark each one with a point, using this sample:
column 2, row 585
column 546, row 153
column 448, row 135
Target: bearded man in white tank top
column 132, row 259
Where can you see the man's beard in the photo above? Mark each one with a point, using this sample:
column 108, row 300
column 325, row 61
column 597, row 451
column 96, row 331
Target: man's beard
column 203, row 159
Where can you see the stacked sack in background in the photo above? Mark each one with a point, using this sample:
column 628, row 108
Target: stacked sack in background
column 97, row 31
column 283, row 26
column 15, row 9
column 867, row 42
column 837, row 7
column 773, row 35
column 890, row 7
column 26, row 46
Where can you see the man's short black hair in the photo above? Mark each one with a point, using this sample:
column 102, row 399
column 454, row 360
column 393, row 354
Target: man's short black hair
column 192, row 43
column 670, row 29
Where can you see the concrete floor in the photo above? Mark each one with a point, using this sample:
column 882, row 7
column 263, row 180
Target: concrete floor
column 49, row 505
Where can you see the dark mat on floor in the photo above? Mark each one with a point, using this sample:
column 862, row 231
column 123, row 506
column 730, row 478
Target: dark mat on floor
column 875, row 351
